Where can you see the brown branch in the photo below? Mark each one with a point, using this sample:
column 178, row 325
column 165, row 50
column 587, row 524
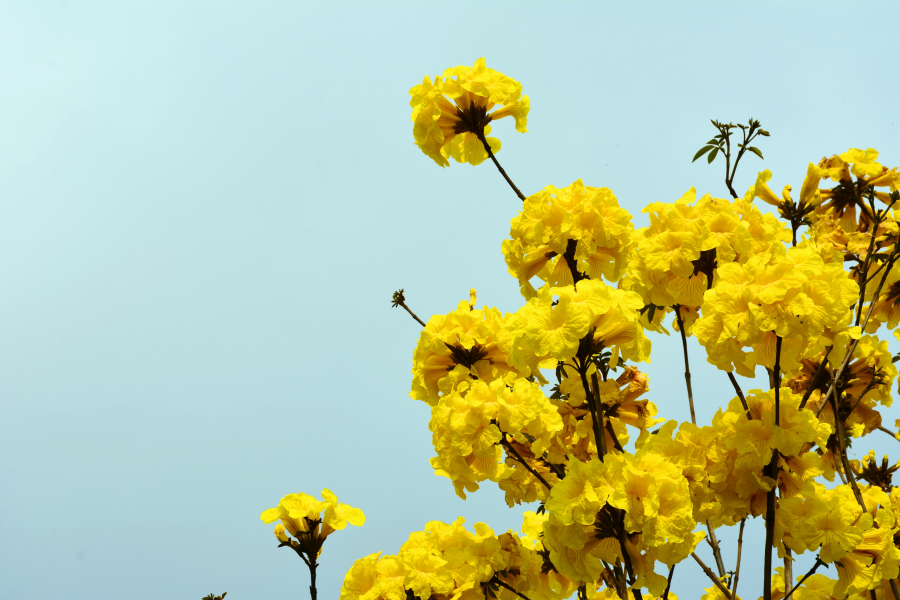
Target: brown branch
column 887, row 431
column 894, row 589
column 499, row 168
column 865, row 322
column 812, row 384
column 687, row 366
column 848, row 471
column 714, row 544
column 711, row 575
column 665, row 595
column 400, row 300
column 772, row 471
column 788, row 571
column 740, row 394
column 502, row 583
column 597, row 417
column 815, row 566
column 505, row 443
column 737, row 568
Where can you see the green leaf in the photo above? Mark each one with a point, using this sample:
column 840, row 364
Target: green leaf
column 701, row 152
column 713, row 141
column 712, row 156
column 755, row 151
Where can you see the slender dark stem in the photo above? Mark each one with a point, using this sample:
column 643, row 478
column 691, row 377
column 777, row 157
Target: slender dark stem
column 848, row 471
column 788, row 571
column 864, row 269
column 846, row 361
column 812, row 384
column 312, row 576
column 596, row 408
column 400, row 300
column 809, row 574
column 869, row 387
column 773, row 473
column 505, row 443
column 737, row 569
column 717, row 553
column 711, row 575
column 687, row 366
column 887, row 431
column 687, row 380
column 894, row 589
column 499, row 168
column 728, row 164
column 777, row 379
column 582, row 592
column 413, row 315
column 503, row 584
column 665, row 595
column 740, row 394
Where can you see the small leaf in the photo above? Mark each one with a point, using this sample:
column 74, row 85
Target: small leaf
column 755, row 151
column 701, row 152
column 712, row 156
column 712, row 141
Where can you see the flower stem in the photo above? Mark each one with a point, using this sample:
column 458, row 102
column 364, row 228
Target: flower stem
column 737, row 568
column 711, row 575
column 687, row 366
column 817, row 564
column 499, row 168
column 772, row 472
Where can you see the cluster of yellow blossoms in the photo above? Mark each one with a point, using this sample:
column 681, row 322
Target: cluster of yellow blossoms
column 310, row 521
column 758, row 291
column 447, row 561
column 451, row 113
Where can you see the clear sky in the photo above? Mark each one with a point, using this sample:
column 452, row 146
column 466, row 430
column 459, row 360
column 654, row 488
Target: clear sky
column 205, row 208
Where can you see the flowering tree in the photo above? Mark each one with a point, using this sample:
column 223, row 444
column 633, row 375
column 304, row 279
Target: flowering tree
column 548, row 402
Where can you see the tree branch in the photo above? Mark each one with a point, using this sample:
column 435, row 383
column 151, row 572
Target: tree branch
column 499, row 168
column 400, row 300
column 711, row 575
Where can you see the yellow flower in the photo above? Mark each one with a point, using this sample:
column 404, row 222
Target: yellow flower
column 577, row 224
column 301, row 515
column 466, row 338
column 360, row 581
column 864, row 164
column 452, row 113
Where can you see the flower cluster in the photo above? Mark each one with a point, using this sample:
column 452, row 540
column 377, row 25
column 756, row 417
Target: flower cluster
column 548, row 401
column 447, row 561
column 310, row 521
column 451, row 113
column 561, row 232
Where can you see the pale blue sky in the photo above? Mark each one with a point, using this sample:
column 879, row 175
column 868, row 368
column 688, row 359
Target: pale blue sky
column 205, row 208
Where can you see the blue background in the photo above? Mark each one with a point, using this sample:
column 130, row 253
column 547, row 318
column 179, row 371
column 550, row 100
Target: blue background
column 205, row 208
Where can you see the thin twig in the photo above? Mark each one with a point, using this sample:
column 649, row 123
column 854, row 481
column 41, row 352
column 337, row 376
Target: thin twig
column 788, row 571
column 717, row 553
column 400, row 300
column 740, row 394
column 737, row 569
column 505, row 443
column 503, row 584
column 665, row 595
column 773, row 473
column 499, row 168
column 687, row 367
column 894, row 589
column 812, row 384
column 815, row 566
column 865, row 323
column 711, row 575
column 842, row 448
column 887, row 431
